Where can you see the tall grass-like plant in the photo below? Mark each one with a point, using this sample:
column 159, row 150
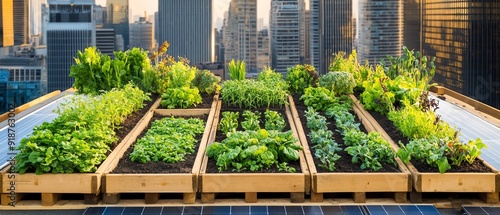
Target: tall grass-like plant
column 237, row 70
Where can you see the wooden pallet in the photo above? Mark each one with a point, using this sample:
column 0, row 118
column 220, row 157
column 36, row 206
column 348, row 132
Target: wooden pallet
column 52, row 186
column 152, row 185
column 359, row 184
column 488, row 184
column 296, row 184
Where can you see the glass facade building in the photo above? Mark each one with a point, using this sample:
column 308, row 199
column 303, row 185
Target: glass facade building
column 380, row 29
column 21, row 11
column 187, row 26
column 6, row 23
column 118, row 19
column 314, row 26
column 336, row 31
column 464, row 37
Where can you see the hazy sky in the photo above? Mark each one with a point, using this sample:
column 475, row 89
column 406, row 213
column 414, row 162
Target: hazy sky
column 220, row 6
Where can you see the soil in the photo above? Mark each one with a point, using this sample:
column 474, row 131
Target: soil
column 397, row 137
column 125, row 165
column 211, row 164
column 344, row 164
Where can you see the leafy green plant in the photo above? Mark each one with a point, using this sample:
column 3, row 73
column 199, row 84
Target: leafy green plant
column 255, row 150
column 274, row 121
column 237, row 70
column 252, row 120
column 301, row 77
column 183, row 97
column 180, row 75
column 272, row 78
column 318, row 98
column 206, row 82
column 371, row 150
column 341, row 83
column 252, row 94
column 80, row 137
column 168, row 140
column 229, row 122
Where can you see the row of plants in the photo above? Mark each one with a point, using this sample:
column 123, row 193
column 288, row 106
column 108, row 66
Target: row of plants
column 254, row 148
column 168, row 140
column 79, row 139
column 398, row 89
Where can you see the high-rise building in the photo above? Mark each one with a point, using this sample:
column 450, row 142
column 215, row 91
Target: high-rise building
column 70, row 29
column 307, row 30
column 336, row 31
column 286, row 27
column 314, row 32
column 466, row 44
column 6, row 23
column 263, row 49
column 141, row 34
column 187, row 26
column 242, row 28
column 118, row 19
column 21, row 30
column 380, row 29
column 35, row 17
column 100, row 16
column 105, row 41
column 412, row 33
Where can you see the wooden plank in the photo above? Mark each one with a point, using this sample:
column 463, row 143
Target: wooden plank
column 458, row 182
column 401, row 197
column 84, row 183
column 252, row 182
column 152, row 183
column 188, row 198
column 49, row 199
column 490, row 198
column 316, row 197
column 207, row 197
column 91, row 198
column 298, row 197
column 361, row 182
column 11, row 199
column 359, row 197
column 152, row 198
column 251, row 197
column 110, row 198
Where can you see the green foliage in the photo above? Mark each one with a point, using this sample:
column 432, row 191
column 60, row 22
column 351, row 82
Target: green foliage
column 169, row 140
column 341, row 83
column 180, row 75
column 206, row 82
column 95, row 72
column 341, row 63
column 183, row 97
column 79, row 139
column 252, row 120
column 322, row 139
column 371, row 150
column 255, row 150
column 229, row 122
column 301, row 77
column 318, row 98
column 274, row 120
column 252, row 94
column 415, row 124
column 237, row 70
column 272, row 78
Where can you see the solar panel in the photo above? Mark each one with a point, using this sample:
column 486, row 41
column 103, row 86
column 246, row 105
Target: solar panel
column 481, row 210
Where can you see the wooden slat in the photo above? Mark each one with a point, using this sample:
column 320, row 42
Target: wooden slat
column 49, row 199
column 252, row 182
column 149, row 183
column 84, row 183
column 361, row 182
column 458, row 182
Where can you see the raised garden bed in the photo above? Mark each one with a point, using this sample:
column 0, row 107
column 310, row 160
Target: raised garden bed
column 52, row 186
column 251, row 183
column 428, row 180
column 151, row 178
column 350, row 178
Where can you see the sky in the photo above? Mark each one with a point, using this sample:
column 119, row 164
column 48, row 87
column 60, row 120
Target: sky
column 220, row 6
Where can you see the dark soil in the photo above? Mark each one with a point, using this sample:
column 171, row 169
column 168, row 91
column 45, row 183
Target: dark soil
column 125, row 165
column 398, row 137
column 211, row 165
column 344, row 164
column 207, row 101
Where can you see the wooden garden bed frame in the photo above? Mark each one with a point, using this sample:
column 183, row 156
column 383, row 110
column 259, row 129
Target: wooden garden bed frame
column 153, row 184
column 297, row 184
column 397, row 183
column 52, row 186
column 486, row 184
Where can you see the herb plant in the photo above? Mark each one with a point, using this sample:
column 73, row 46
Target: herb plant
column 341, row 83
column 206, row 82
column 252, row 94
column 301, row 77
column 168, row 140
column 182, row 97
column 318, row 98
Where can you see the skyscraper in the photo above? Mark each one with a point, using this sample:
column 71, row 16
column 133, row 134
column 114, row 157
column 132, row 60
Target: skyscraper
column 380, row 29
column 412, row 25
column 21, row 11
column 242, row 28
column 314, row 33
column 336, row 31
column 35, row 17
column 6, row 23
column 286, row 27
column 141, row 34
column 187, row 26
column 307, row 30
column 466, row 44
column 70, row 29
column 263, row 49
column 118, row 19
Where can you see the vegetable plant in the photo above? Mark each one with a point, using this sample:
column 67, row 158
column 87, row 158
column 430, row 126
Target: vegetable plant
column 206, row 82
column 182, row 97
column 252, row 120
column 229, row 122
column 301, row 77
column 318, row 98
column 341, row 83
column 168, row 140
column 237, row 70
column 274, row 121
column 252, row 94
